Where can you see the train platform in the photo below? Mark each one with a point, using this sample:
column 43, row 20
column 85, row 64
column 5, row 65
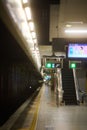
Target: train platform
column 44, row 114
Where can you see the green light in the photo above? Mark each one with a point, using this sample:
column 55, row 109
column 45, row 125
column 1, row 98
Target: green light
column 53, row 65
column 48, row 65
column 73, row 65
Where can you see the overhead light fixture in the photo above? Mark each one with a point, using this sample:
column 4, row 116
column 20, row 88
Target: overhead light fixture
column 68, row 25
column 25, row 30
column 76, row 31
column 33, row 34
column 75, row 22
column 25, row 1
column 21, row 14
column 35, row 40
column 28, row 13
column 31, row 26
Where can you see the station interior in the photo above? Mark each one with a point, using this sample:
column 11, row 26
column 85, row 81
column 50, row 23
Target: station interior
column 43, row 64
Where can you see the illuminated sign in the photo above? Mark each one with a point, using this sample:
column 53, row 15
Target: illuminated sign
column 72, row 65
column 77, row 50
column 53, row 65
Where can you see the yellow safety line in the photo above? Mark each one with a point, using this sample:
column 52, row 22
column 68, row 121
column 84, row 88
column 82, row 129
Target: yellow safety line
column 33, row 124
column 34, row 121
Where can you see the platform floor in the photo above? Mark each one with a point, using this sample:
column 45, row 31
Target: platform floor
column 44, row 114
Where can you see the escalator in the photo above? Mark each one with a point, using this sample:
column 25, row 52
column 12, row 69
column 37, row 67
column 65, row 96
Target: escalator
column 69, row 96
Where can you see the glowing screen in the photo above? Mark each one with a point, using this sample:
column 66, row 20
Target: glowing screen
column 77, row 50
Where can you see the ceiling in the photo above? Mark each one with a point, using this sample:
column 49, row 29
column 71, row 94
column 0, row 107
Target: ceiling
column 41, row 16
column 41, row 13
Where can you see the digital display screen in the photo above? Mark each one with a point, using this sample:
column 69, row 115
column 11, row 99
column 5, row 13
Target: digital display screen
column 77, row 50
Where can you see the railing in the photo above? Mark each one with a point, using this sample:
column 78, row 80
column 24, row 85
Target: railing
column 81, row 95
column 60, row 89
column 76, row 85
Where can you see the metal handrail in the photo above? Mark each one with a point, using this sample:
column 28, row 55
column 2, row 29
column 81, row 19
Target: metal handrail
column 60, row 88
column 78, row 90
column 76, row 85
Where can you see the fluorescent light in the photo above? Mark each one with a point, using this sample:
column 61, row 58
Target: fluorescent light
column 31, row 41
column 68, row 25
column 25, row 1
column 35, row 40
column 25, row 30
column 33, row 34
column 21, row 14
column 75, row 31
column 28, row 13
column 76, row 22
column 31, row 26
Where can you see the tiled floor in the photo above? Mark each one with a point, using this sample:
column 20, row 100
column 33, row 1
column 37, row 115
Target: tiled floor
column 44, row 114
column 52, row 117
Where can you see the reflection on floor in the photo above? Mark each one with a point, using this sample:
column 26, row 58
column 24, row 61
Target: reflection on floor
column 52, row 117
column 44, row 114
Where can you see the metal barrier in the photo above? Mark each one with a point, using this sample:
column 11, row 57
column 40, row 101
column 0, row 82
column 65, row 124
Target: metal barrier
column 60, row 89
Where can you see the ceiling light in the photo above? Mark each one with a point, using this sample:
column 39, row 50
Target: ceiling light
column 33, row 34
column 31, row 26
column 35, row 40
column 25, row 30
column 68, row 25
column 76, row 22
column 76, row 31
column 28, row 13
column 21, row 14
column 25, row 1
